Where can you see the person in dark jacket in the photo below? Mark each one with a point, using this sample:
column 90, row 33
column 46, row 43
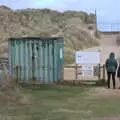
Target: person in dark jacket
column 111, row 67
column 118, row 73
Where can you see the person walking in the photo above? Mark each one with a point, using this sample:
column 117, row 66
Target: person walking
column 111, row 67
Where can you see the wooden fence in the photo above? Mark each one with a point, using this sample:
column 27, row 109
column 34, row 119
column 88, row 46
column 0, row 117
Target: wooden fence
column 71, row 73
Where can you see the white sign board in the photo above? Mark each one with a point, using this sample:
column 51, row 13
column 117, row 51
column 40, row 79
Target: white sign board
column 87, row 73
column 87, row 67
column 87, row 70
column 87, row 57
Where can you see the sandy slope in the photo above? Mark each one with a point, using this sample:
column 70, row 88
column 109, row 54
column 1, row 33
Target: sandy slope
column 107, row 45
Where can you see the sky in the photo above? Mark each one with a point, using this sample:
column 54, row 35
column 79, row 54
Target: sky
column 107, row 10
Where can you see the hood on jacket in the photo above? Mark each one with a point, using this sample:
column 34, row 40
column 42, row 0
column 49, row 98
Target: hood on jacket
column 112, row 55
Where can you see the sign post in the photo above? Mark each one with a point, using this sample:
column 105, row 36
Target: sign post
column 88, row 60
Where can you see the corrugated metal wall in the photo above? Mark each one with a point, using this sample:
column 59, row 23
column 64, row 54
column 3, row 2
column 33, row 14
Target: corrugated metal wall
column 37, row 59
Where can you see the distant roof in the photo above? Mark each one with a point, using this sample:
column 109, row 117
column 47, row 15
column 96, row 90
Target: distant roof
column 108, row 27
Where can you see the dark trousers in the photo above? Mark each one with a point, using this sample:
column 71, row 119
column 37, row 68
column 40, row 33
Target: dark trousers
column 113, row 78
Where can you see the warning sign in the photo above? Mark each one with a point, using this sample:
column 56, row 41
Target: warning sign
column 86, row 70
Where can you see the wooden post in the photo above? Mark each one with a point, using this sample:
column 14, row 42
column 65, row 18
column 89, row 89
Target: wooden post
column 76, row 75
column 99, row 74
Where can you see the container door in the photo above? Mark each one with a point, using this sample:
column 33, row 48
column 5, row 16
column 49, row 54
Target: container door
column 12, row 58
column 24, row 60
column 46, row 60
column 60, row 60
column 51, row 62
column 42, row 61
column 56, row 65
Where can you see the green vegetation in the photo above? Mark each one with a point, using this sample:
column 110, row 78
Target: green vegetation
column 66, row 103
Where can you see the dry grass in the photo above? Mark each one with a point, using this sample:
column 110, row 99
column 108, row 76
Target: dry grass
column 71, row 25
column 9, row 91
column 10, row 95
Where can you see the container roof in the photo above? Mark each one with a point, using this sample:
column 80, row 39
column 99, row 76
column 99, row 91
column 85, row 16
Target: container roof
column 35, row 38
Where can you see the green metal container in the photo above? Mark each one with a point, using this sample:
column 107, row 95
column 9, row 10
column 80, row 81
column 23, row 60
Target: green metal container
column 36, row 59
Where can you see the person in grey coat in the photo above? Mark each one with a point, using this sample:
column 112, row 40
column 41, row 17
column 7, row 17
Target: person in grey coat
column 111, row 67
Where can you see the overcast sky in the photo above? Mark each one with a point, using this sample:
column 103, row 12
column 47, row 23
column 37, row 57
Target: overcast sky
column 107, row 10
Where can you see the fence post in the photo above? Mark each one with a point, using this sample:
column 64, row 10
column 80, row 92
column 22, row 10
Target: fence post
column 76, row 74
column 99, row 74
